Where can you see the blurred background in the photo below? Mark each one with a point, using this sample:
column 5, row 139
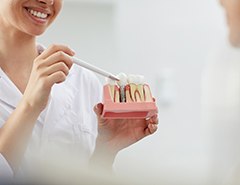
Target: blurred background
column 169, row 42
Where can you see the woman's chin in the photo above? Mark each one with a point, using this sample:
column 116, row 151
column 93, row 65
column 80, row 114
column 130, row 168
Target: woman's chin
column 35, row 32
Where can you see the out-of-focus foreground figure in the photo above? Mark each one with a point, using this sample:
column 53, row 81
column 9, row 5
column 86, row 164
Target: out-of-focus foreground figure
column 221, row 103
column 232, row 9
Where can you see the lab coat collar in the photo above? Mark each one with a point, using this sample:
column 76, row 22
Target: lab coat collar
column 60, row 101
column 61, row 97
column 9, row 93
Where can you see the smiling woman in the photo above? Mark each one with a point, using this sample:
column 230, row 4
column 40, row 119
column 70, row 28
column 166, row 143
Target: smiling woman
column 48, row 105
column 21, row 13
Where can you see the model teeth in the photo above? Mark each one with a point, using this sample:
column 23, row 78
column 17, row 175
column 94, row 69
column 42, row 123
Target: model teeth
column 122, row 83
column 110, row 81
column 122, row 79
column 131, row 88
column 141, row 79
column 131, row 79
column 38, row 14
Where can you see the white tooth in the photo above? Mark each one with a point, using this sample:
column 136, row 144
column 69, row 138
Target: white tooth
column 137, row 80
column 39, row 14
column 141, row 79
column 140, row 84
column 132, row 79
column 44, row 15
column 110, row 81
column 122, row 79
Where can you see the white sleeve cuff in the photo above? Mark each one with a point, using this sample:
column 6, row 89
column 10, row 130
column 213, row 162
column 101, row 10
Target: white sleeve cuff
column 5, row 169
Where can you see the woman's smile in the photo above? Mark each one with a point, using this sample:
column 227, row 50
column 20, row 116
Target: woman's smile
column 37, row 15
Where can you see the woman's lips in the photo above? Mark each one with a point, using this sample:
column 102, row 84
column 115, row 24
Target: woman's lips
column 37, row 16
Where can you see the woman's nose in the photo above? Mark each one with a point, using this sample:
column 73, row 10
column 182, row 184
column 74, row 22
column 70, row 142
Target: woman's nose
column 48, row 2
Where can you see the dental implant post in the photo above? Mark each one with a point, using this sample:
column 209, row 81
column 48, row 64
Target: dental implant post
column 122, row 83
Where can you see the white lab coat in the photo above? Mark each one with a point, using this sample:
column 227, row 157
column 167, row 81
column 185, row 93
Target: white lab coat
column 68, row 125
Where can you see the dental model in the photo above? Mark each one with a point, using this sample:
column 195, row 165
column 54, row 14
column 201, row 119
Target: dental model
column 114, row 90
column 128, row 98
column 122, row 83
column 129, row 89
column 135, row 88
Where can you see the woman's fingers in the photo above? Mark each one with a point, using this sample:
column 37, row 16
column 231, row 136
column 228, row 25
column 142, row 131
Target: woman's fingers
column 57, row 77
column 60, row 66
column 57, row 62
column 55, row 67
column 49, row 68
column 152, row 125
column 151, row 129
column 54, row 49
column 153, row 120
column 60, row 56
column 98, row 109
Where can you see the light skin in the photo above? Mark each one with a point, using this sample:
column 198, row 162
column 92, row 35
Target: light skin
column 232, row 9
column 38, row 73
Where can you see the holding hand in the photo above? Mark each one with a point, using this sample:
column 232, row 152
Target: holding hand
column 117, row 134
column 49, row 68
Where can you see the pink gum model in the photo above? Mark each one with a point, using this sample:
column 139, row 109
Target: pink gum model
column 130, row 110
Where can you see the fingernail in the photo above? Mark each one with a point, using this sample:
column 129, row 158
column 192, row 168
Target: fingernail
column 99, row 106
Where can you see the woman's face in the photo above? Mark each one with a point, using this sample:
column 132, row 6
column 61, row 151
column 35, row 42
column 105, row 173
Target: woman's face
column 232, row 8
column 29, row 16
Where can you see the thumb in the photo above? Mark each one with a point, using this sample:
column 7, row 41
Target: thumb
column 98, row 109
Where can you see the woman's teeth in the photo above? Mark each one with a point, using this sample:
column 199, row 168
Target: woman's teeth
column 38, row 14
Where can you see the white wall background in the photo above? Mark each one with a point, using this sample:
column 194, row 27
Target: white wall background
column 151, row 37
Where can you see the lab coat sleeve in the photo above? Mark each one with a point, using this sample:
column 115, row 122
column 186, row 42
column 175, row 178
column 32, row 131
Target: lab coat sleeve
column 5, row 169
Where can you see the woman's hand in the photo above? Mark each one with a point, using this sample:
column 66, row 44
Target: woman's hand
column 115, row 135
column 49, row 68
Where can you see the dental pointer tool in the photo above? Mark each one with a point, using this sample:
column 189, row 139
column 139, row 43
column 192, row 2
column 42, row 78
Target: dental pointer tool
column 95, row 69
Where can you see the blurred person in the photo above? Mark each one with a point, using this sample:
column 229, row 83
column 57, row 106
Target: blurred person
column 49, row 108
column 221, row 101
column 232, row 9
